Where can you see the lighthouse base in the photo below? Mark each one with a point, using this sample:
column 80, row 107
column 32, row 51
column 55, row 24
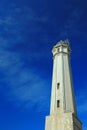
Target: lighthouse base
column 63, row 121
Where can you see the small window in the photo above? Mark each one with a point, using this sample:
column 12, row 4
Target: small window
column 58, row 84
column 58, row 103
column 58, row 49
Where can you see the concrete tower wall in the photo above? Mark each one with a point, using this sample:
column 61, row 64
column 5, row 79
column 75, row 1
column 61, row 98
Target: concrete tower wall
column 63, row 115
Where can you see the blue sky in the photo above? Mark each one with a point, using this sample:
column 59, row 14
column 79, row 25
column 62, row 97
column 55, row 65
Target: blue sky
column 28, row 31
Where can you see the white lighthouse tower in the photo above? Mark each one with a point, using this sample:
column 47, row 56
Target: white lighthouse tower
column 63, row 114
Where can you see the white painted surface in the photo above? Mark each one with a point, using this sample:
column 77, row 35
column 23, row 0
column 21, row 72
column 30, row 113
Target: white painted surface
column 66, row 112
column 62, row 75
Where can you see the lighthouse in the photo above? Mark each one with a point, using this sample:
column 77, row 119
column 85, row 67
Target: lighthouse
column 63, row 113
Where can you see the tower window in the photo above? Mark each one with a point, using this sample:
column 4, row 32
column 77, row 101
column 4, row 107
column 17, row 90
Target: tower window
column 58, row 84
column 58, row 49
column 58, row 103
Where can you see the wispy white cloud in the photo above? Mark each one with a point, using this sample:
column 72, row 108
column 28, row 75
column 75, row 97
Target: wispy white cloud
column 7, row 20
column 27, row 90
column 25, row 87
